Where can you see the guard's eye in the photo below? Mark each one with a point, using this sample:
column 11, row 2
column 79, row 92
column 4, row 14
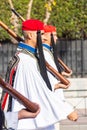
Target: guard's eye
column 42, row 33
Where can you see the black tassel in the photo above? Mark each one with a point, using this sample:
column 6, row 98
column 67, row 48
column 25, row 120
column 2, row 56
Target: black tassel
column 41, row 61
column 55, row 54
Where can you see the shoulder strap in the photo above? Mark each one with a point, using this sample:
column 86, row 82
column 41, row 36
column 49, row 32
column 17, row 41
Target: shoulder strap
column 10, row 74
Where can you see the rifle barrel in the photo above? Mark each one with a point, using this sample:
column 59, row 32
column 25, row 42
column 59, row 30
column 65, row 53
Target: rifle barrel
column 22, row 99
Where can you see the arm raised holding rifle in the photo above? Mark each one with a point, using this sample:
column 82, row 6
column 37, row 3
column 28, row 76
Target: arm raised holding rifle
column 10, row 119
column 30, row 106
column 67, row 71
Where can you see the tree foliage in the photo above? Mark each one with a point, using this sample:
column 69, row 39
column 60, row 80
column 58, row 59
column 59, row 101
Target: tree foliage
column 69, row 16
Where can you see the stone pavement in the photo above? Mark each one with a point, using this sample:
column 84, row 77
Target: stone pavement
column 80, row 124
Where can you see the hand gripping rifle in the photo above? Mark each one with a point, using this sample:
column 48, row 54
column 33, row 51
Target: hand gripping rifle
column 49, row 67
column 26, row 102
column 65, row 67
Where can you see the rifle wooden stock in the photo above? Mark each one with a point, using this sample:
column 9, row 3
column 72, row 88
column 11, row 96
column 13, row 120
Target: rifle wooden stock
column 26, row 102
column 57, row 74
column 65, row 67
column 13, row 34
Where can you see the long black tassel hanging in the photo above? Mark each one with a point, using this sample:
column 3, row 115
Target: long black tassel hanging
column 41, row 61
column 55, row 54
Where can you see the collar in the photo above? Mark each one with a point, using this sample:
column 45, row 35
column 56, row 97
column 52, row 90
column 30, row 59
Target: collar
column 47, row 46
column 27, row 47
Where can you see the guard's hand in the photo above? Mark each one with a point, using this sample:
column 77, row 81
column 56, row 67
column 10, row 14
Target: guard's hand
column 73, row 116
column 60, row 85
column 24, row 113
column 67, row 74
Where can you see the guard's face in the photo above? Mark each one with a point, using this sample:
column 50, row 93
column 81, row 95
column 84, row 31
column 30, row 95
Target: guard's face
column 42, row 35
column 55, row 36
column 47, row 38
column 33, row 37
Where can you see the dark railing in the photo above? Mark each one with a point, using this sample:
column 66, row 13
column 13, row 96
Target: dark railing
column 72, row 52
column 7, row 50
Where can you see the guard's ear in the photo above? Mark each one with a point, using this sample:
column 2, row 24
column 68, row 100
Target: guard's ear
column 29, row 35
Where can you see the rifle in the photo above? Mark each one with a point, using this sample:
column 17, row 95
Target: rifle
column 57, row 74
column 13, row 34
column 49, row 67
column 65, row 67
column 17, row 14
column 22, row 99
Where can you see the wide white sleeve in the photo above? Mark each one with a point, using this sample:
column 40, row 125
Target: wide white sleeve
column 11, row 119
column 52, row 80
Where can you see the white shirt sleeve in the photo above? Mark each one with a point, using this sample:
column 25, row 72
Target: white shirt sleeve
column 11, row 119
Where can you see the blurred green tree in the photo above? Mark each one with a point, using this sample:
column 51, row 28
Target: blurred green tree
column 70, row 16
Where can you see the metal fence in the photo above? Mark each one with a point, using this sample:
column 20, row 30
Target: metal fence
column 7, row 50
column 72, row 52
column 74, row 55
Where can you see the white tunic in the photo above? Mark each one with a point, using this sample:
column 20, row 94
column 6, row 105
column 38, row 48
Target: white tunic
column 29, row 82
column 49, row 58
column 58, row 92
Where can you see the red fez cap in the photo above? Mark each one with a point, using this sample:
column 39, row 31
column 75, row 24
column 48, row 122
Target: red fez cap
column 49, row 28
column 32, row 25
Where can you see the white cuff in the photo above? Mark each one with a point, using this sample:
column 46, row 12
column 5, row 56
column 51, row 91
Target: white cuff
column 11, row 119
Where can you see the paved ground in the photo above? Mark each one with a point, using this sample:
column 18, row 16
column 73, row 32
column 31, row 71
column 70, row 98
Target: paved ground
column 80, row 124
